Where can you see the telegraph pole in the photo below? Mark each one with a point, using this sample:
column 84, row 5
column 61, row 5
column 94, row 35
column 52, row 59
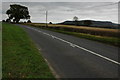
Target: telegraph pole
column 46, row 17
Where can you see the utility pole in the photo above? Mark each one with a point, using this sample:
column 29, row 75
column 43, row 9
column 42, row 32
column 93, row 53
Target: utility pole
column 46, row 17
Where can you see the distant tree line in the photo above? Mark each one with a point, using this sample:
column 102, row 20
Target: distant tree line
column 86, row 22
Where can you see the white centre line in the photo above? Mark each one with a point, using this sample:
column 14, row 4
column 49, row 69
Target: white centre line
column 74, row 45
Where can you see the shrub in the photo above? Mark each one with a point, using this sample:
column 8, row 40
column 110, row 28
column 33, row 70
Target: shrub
column 29, row 21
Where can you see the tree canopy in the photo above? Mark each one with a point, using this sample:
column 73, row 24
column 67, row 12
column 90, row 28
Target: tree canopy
column 17, row 12
column 75, row 18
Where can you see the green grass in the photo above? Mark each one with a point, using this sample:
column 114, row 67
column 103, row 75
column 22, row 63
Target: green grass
column 104, row 39
column 81, row 29
column 107, row 40
column 21, row 58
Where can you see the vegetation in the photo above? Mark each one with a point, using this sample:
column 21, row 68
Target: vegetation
column 82, row 29
column 21, row 59
column 75, row 18
column 87, row 22
column 3, row 20
column 17, row 12
column 107, row 40
column 100, row 34
column 28, row 21
column 50, row 22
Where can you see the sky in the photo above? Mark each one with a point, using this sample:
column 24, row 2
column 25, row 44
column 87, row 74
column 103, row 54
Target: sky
column 62, row 11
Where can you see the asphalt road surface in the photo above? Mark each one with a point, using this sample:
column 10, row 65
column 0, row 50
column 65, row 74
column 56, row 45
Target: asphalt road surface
column 72, row 57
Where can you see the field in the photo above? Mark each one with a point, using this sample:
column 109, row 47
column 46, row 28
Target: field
column 21, row 58
column 108, row 36
column 83, row 29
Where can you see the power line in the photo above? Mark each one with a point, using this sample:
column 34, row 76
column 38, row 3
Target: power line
column 46, row 12
column 96, row 6
column 103, row 5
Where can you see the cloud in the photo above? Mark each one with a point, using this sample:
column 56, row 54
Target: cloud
column 61, row 0
column 61, row 11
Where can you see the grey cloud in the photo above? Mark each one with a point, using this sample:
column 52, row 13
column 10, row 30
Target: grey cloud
column 61, row 0
column 61, row 11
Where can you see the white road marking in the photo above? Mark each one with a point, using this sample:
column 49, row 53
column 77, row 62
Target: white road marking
column 74, row 45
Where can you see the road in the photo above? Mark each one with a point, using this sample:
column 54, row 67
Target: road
column 72, row 57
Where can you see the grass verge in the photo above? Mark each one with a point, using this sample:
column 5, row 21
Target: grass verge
column 21, row 59
column 82, row 29
column 107, row 40
column 115, row 41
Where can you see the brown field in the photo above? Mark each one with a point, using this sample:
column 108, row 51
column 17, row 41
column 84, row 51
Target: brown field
column 81, row 29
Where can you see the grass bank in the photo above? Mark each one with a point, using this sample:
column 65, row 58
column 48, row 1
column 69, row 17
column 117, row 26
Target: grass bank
column 21, row 58
column 82, row 29
column 107, row 40
column 104, row 39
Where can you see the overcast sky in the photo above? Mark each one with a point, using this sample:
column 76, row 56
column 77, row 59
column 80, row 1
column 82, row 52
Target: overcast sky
column 62, row 11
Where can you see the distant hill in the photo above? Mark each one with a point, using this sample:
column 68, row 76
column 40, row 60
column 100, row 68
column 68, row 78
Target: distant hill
column 92, row 23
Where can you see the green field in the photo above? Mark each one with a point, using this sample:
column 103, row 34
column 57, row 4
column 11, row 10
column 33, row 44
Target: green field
column 20, row 57
column 108, row 36
column 82, row 29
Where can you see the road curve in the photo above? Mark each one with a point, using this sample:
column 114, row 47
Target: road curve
column 73, row 57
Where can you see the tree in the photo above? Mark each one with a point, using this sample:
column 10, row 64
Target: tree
column 28, row 21
column 75, row 19
column 8, row 20
column 87, row 22
column 24, row 21
column 3, row 20
column 50, row 22
column 17, row 12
